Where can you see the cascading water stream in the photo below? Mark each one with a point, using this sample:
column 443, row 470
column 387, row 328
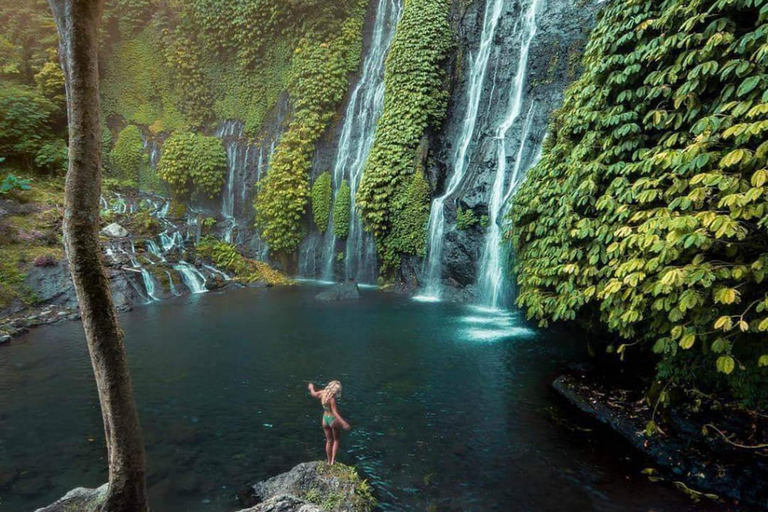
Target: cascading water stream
column 492, row 283
column 192, row 277
column 362, row 113
column 231, row 133
column 477, row 75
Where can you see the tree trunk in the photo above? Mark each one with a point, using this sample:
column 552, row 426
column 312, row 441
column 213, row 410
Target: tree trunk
column 78, row 23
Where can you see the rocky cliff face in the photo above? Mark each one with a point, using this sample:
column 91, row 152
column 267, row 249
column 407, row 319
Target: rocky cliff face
column 561, row 31
column 552, row 61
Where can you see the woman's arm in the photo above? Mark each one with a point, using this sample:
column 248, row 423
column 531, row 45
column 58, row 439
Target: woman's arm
column 335, row 412
column 312, row 391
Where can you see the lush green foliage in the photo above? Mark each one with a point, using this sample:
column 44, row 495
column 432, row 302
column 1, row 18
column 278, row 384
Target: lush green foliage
column 25, row 121
column 416, row 97
column 341, row 208
column 409, row 234
column 649, row 206
column 193, row 164
column 320, row 72
column 13, row 183
column 322, row 197
column 466, row 219
column 127, row 157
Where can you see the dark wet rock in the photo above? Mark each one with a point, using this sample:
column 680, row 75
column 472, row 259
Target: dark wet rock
column 5, row 338
column 338, row 488
column 340, row 292
column 52, row 284
column 686, row 450
column 80, row 500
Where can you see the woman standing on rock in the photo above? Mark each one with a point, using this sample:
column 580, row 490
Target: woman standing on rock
column 332, row 421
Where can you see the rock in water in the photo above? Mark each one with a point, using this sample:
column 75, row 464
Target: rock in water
column 339, row 292
column 314, row 487
column 80, row 499
column 115, row 230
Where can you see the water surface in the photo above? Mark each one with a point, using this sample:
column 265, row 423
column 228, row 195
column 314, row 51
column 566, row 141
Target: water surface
column 450, row 407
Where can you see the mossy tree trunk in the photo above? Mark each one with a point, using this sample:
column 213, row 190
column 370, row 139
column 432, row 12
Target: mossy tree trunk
column 78, row 23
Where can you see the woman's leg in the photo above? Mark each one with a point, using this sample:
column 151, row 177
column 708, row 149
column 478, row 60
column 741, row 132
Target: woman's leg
column 336, row 431
column 328, row 443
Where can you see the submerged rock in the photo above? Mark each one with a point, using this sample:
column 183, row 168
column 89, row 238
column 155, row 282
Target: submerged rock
column 339, row 292
column 115, row 230
column 80, row 500
column 312, row 487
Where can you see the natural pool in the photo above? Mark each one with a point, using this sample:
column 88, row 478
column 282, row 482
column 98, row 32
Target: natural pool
column 449, row 404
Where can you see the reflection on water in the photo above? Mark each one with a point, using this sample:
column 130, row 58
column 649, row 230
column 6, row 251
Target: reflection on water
column 449, row 406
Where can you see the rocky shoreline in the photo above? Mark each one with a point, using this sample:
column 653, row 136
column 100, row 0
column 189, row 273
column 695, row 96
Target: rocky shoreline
column 706, row 450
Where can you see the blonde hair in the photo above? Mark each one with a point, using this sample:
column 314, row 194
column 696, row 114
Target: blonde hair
column 332, row 389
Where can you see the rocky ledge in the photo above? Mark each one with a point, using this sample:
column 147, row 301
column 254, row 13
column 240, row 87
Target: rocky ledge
column 308, row 487
column 708, row 449
column 311, row 487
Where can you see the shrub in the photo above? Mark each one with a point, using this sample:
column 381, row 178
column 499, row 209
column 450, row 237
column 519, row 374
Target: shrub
column 466, row 219
column 341, row 207
column 53, row 156
column 127, row 156
column 648, row 207
column 321, row 201
column 193, row 164
column 13, row 183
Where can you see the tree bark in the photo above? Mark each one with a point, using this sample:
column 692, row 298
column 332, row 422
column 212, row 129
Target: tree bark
column 78, row 24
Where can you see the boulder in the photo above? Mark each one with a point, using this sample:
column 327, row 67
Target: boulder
column 115, row 230
column 80, row 499
column 313, row 487
column 5, row 338
column 340, row 292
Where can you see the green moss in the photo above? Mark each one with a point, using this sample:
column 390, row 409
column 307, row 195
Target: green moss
column 127, row 157
column 226, row 256
column 321, row 201
column 415, row 98
column 648, row 209
column 341, row 207
column 193, row 164
column 409, row 234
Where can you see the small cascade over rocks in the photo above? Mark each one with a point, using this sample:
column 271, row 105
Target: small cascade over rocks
column 328, row 256
column 159, row 261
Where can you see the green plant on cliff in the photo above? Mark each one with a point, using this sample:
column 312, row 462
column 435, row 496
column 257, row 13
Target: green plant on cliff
column 321, row 201
column 415, row 99
column 127, row 156
column 341, row 206
column 226, row 256
column 466, row 219
column 649, row 205
column 193, row 164
column 320, row 71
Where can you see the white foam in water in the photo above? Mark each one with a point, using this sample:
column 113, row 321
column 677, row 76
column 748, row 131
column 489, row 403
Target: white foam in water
column 426, row 298
column 491, row 324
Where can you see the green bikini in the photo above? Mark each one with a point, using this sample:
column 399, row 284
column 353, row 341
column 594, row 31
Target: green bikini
column 328, row 416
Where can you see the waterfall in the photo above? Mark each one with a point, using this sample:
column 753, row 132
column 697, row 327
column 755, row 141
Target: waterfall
column 192, row 277
column 360, row 117
column 171, row 285
column 492, row 283
column 477, row 73
column 149, row 283
column 231, row 132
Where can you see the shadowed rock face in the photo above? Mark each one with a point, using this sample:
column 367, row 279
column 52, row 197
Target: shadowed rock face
column 311, row 487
